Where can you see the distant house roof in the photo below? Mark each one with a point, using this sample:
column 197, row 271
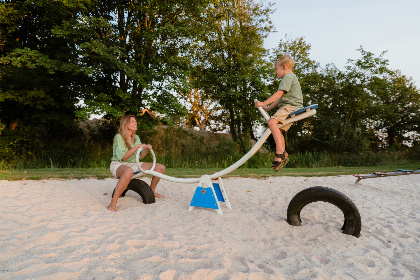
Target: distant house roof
column 148, row 111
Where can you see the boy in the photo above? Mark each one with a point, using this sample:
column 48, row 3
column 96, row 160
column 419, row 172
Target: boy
column 289, row 96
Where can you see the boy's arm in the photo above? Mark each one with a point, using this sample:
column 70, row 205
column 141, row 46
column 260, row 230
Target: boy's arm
column 273, row 99
column 272, row 105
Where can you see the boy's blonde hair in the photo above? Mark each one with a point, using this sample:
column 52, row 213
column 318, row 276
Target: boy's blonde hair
column 287, row 60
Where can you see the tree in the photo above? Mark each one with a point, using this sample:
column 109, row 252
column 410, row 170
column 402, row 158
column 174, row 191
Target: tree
column 341, row 122
column 115, row 56
column 361, row 102
column 204, row 112
column 395, row 99
column 397, row 108
column 135, row 52
column 36, row 88
column 229, row 63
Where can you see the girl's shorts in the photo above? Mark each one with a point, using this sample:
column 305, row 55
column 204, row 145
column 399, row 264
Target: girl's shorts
column 282, row 114
column 115, row 164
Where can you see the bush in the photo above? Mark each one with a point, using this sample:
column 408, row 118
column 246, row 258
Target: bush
column 175, row 147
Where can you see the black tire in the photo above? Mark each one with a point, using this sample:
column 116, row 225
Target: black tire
column 142, row 188
column 352, row 222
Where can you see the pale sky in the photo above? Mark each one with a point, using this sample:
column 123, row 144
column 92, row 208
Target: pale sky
column 335, row 29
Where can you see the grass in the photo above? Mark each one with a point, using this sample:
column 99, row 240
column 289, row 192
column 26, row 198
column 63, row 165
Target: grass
column 102, row 173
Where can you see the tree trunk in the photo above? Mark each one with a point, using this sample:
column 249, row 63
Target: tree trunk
column 232, row 124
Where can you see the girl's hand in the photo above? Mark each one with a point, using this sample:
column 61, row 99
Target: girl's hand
column 145, row 146
column 141, row 146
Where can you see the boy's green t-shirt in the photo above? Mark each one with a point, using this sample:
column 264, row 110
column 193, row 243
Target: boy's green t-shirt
column 293, row 93
column 119, row 149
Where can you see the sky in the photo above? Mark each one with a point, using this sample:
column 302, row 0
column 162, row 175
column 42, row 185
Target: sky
column 335, row 29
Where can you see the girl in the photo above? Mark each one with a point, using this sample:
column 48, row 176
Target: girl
column 123, row 164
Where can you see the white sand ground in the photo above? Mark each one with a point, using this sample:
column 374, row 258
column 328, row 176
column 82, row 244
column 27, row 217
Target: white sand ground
column 61, row 229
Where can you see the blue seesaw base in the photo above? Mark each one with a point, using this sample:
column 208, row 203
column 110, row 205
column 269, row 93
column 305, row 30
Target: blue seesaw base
column 209, row 197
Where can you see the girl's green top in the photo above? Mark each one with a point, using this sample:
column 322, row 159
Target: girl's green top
column 119, row 148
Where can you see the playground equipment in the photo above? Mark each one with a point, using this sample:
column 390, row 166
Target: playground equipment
column 142, row 188
column 293, row 117
column 352, row 222
column 210, row 190
column 381, row 174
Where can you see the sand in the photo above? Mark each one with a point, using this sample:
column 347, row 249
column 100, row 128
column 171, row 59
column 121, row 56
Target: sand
column 61, row 229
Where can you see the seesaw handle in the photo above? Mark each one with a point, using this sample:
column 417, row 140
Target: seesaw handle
column 139, row 164
column 263, row 112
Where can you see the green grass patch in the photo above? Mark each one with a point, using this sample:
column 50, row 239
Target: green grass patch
column 102, row 172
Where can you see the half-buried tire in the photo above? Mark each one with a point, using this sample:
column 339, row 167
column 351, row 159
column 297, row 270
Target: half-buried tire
column 352, row 222
column 142, row 188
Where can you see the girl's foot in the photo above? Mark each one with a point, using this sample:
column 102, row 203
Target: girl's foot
column 112, row 208
column 159, row 195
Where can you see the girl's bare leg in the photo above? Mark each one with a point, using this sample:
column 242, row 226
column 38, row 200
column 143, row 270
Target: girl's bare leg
column 124, row 173
column 155, row 180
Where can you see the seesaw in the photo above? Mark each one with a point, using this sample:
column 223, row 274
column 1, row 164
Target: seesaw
column 211, row 190
column 398, row 172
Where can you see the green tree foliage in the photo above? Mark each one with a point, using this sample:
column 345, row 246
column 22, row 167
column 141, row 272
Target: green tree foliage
column 35, row 87
column 135, row 53
column 363, row 104
column 395, row 107
column 229, row 64
column 340, row 125
column 61, row 59
column 38, row 88
column 38, row 83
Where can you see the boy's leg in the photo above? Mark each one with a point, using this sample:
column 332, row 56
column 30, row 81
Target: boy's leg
column 277, row 135
column 279, row 118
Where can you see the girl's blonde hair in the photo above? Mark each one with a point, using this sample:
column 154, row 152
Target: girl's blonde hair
column 285, row 59
column 122, row 130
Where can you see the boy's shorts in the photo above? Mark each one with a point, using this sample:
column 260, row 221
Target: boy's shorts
column 115, row 164
column 282, row 114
